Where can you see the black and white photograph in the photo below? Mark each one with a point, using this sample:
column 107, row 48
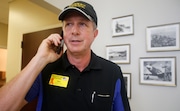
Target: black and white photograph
column 158, row 71
column 127, row 80
column 122, row 25
column 163, row 37
column 118, row 53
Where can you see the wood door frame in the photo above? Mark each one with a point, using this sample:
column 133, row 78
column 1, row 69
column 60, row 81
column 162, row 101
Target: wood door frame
column 37, row 30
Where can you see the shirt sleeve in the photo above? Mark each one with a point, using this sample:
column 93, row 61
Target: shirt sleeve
column 34, row 90
column 121, row 102
column 118, row 104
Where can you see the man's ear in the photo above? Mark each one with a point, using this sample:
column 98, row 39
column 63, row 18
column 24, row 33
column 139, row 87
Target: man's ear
column 95, row 33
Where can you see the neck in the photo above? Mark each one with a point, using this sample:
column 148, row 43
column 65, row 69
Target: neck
column 81, row 61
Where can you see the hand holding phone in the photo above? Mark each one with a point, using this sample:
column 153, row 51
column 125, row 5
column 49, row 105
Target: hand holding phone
column 60, row 47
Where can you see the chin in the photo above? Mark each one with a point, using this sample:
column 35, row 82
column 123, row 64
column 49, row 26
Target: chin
column 75, row 51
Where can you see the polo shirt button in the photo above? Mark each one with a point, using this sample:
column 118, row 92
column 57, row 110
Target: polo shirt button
column 79, row 89
column 73, row 66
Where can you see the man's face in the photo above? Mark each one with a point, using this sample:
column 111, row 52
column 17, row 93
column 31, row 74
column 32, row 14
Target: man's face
column 79, row 33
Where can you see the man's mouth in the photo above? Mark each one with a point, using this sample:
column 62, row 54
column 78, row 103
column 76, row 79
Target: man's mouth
column 76, row 41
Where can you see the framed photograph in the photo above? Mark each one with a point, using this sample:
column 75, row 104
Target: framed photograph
column 118, row 53
column 158, row 71
column 127, row 80
column 163, row 37
column 123, row 25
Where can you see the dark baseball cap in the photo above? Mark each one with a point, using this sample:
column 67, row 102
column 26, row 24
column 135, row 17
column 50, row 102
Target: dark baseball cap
column 85, row 8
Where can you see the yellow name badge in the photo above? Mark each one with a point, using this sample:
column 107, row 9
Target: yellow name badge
column 59, row 80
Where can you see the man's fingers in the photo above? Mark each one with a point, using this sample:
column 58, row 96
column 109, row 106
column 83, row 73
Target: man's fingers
column 54, row 39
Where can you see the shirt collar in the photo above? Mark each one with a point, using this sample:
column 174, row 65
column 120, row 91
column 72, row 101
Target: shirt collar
column 94, row 63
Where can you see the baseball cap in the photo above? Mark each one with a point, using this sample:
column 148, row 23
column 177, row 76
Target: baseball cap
column 85, row 8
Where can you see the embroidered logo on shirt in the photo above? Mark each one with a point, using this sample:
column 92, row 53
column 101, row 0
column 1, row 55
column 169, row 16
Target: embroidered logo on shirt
column 59, row 80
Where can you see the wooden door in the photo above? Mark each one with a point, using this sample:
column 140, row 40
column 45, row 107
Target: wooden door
column 30, row 44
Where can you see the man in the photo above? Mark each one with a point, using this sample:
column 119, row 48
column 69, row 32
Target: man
column 77, row 80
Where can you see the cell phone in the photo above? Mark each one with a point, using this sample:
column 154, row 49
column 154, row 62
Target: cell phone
column 60, row 47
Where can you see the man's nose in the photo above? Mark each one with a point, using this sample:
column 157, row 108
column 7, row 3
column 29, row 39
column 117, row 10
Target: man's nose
column 75, row 30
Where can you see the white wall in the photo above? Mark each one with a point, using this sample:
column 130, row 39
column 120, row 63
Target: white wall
column 146, row 13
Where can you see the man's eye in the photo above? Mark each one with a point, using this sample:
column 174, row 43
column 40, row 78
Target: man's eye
column 68, row 24
column 82, row 24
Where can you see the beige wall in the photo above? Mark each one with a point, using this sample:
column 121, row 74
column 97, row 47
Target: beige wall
column 3, row 35
column 24, row 16
column 3, row 58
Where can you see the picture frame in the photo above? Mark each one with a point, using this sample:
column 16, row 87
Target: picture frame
column 127, row 80
column 158, row 71
column 163, row 37
column 119, row 54
column 123, row 25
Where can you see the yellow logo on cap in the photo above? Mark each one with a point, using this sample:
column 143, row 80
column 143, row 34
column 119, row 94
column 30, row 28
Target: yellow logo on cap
column 80, row 5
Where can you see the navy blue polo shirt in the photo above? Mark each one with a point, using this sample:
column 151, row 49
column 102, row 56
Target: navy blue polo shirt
column 99, row 87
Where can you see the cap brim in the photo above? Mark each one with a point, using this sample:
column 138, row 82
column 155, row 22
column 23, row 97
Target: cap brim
column 67, row 10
